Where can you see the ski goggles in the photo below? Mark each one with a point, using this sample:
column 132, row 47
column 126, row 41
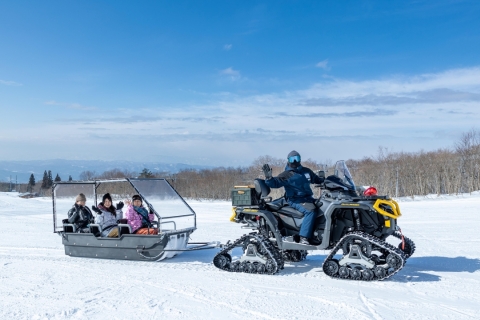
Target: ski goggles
column 292, row 159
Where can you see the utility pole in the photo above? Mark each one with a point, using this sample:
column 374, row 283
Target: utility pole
column 396, row 186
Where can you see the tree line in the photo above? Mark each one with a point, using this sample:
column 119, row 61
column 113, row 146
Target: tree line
column 444, row 171
column 398, row 174
column 47, row 183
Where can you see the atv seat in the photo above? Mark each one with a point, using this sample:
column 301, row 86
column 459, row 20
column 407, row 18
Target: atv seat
column 262, row 190
column 289, row 211
column 281, row 206
column 277, row 204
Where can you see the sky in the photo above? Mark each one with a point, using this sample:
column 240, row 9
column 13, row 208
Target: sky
column 223, row 82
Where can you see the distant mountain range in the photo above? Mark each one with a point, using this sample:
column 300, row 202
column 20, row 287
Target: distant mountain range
column 22, row 169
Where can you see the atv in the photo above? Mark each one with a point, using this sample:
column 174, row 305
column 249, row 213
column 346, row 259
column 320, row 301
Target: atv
column 353, row 223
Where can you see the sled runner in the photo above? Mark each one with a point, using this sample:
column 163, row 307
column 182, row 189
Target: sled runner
column 174, row 219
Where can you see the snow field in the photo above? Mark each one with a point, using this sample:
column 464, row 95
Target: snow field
column 37, row 281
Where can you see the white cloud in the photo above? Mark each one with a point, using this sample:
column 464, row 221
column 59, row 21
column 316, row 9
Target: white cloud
column 10, row 83
column 227, row 47
column 337, row 118
column 323, row 65
column 231, row 73
column 75, row 106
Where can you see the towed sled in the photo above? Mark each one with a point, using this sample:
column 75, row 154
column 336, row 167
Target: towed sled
column 353, row 223
column 175, row 221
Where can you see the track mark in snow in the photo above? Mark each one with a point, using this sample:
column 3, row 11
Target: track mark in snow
column 339, row 305
column 194, row 295
column 446, row 307
column 369, row 307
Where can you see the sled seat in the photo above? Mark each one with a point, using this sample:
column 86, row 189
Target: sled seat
column 95, row 229
column 69, row 228
column 124, row 228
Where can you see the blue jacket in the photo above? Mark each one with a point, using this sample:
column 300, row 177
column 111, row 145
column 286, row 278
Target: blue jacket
column 297, row 183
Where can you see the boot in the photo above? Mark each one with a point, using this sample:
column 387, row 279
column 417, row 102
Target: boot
column 304, row 240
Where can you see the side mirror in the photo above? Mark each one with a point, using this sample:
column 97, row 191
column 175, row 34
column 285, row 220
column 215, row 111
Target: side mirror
column 321, row 174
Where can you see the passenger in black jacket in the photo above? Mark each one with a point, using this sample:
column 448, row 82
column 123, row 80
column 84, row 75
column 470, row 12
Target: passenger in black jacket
column 80, row 215
column 296, row 180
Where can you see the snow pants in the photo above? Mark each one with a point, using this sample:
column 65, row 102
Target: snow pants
column 146, row 231
column 111, row 232
column 309, row 211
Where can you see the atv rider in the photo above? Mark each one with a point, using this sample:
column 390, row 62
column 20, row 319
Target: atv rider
column 297, row 179
column 80, row 215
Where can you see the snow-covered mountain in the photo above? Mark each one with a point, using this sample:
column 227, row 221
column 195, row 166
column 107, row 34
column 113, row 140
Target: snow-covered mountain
column 22, row 169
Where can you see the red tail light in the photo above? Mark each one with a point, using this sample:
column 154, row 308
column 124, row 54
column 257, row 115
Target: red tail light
column 371, row 191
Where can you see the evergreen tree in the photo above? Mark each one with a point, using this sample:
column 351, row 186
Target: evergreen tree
column 45, row 180
column 70, row 178
column 146, row 174
column 50, row 179
column 57, row 178
column 31, row 183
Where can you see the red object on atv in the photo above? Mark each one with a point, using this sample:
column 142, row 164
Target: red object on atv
column 370, row 191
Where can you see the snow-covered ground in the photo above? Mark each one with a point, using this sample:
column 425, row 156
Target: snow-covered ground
column 37, row 281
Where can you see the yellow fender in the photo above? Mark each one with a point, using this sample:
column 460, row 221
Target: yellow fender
column 234, row 214
column 392, row 204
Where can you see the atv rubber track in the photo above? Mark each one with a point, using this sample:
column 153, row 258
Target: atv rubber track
column 376, row 243
column 408, row 241
column 275, row 262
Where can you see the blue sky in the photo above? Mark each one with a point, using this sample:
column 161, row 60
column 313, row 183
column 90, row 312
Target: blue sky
column 223, row 82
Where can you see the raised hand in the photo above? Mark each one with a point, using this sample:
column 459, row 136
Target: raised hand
column 267, row 171
column 119, row 205
column 96, row 210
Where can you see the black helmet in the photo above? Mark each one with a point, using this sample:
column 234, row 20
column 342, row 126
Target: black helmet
column 294, row 159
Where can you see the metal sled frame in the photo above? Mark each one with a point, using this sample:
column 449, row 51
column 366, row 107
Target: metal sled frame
column 168, row 243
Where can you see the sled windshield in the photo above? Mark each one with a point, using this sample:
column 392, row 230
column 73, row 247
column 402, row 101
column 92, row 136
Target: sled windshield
column 169, row 206
column 171, row 211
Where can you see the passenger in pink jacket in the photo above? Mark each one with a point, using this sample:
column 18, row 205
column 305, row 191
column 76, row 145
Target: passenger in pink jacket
column 138, row 217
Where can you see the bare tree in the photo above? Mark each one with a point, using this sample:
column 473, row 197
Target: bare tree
column 87, row 175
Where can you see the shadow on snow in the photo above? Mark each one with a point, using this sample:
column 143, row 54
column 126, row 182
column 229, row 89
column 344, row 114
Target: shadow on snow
column 416, row 269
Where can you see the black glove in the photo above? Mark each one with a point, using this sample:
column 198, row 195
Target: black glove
column 150, row 209
column 267, row 171
column 96, row 210
column 119, row 205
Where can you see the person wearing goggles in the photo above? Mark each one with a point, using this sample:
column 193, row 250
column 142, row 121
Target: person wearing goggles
column 296, row 180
